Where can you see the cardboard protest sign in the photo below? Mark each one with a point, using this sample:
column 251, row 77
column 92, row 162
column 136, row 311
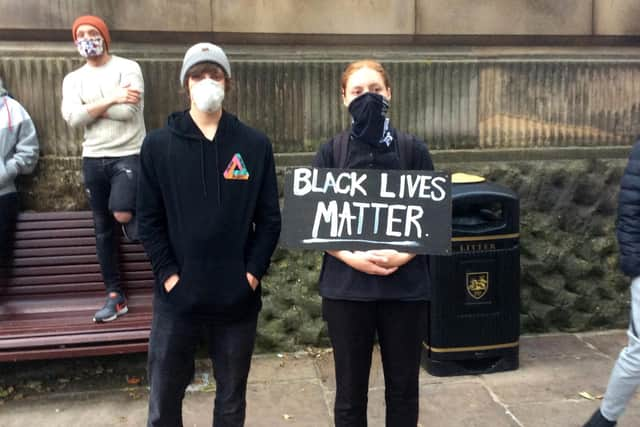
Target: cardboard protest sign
column 332, row 209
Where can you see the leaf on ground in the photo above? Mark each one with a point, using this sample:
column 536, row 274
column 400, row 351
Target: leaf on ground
column 587, row 395
column 5, row 392
column 209, row 388
column 133, row 380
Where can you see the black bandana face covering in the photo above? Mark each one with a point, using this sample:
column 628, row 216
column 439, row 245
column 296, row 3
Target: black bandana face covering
column 369, row 114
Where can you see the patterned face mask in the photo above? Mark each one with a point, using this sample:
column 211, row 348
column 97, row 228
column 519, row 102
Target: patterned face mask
column 89, row 48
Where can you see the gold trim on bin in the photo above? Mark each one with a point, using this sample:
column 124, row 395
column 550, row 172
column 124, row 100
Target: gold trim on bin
column 475, row 348
column 487, row 237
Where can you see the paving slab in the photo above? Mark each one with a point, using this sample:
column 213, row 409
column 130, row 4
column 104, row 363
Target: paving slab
column 546, row 380
column 115, row 409
column 467, row 403
column 554, row 346
column 283, row 367
column 299, row 390
column 606, row 343
column 268, row 405
column 569, row 413
column 327, row 372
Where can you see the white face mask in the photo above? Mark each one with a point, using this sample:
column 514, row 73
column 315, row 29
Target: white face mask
column 207, row 95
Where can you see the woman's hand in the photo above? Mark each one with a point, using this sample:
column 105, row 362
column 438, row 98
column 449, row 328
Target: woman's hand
column 391, row 258
column 366, row 262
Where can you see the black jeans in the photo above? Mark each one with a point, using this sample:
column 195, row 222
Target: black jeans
column 111, row 184
column 8, row 215
column 352, row 328
column 172, row 348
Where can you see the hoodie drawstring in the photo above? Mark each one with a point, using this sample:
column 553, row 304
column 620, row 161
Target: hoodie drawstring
column 202, row 171
column 218, row 175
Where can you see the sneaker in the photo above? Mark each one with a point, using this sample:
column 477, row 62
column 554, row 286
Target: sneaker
column 598, row 420
column 130, row 231
column 115, row 307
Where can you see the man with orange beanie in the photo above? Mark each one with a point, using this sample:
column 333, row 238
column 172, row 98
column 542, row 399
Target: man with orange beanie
column 105, row 97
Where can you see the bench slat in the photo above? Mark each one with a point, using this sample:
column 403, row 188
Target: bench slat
column 92, row 267
column 47, row 216
column 73, row 259
column 80, row 323
column 54, row 286
column 55, row 224
column 56, row 243
column 62, row 288
column 14, row 307
column 76, row 278
column 58, row 353
column 56, row 340
column 71, row 250
column 53, row 234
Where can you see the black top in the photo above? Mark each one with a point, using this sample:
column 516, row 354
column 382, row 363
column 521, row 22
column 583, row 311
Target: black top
column 628, row 223
column 411, row 281
column 195, row 221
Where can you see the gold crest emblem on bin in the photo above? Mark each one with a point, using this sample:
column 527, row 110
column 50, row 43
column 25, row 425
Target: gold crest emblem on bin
column 477, row 284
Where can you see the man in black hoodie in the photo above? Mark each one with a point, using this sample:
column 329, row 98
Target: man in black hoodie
column 209, row 220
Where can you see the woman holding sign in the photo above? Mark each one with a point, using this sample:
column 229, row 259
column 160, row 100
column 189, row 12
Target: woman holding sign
column 376, row 291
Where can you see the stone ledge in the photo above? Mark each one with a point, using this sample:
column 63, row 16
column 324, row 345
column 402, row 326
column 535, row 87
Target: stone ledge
column 492, row 155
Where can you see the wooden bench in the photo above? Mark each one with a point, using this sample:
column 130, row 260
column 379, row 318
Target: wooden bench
column 52, row 289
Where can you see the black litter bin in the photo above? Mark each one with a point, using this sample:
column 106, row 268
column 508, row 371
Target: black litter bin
column 474, row 312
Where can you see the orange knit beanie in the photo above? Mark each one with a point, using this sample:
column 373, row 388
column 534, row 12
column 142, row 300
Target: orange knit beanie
column 94, row 21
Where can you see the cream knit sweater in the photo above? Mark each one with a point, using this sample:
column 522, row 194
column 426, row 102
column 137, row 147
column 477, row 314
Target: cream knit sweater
column 121, row 132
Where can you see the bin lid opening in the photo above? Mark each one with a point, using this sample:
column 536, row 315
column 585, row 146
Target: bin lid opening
column 465, row 178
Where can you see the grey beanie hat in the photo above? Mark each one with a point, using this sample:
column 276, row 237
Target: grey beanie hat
column 204, row 52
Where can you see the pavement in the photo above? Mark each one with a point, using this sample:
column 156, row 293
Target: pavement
column 560, row 379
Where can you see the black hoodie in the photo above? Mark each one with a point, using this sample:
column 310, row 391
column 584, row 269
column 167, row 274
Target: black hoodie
column 195, row 221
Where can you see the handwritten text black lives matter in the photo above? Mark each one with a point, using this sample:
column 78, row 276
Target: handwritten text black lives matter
column 368, row 206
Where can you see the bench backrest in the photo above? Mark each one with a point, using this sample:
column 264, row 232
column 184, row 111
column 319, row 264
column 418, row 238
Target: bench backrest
column 54, row 254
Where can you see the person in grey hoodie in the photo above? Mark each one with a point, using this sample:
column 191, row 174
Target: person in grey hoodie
column 18, row 155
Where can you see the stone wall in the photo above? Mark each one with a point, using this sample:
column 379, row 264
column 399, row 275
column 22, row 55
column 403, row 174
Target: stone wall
column 402, row 18
column 554, row 126
column 454, row 100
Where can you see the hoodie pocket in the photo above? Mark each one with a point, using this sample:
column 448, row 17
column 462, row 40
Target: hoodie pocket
column 227, row 286
column 179, row 298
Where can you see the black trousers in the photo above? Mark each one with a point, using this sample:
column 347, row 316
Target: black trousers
column 111, row 184
column 172, row 347
column 8, row 215
column 400, row 327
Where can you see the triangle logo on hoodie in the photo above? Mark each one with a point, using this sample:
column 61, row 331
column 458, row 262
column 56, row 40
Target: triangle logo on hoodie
column 236, row 169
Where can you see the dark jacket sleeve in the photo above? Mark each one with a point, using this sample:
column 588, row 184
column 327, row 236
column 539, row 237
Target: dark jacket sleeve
column 266, row 220
column 152, row 219
column 324, row 156
column 421, row 156
column 628, row 221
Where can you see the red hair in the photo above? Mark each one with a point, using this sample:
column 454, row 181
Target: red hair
column 365, row 63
